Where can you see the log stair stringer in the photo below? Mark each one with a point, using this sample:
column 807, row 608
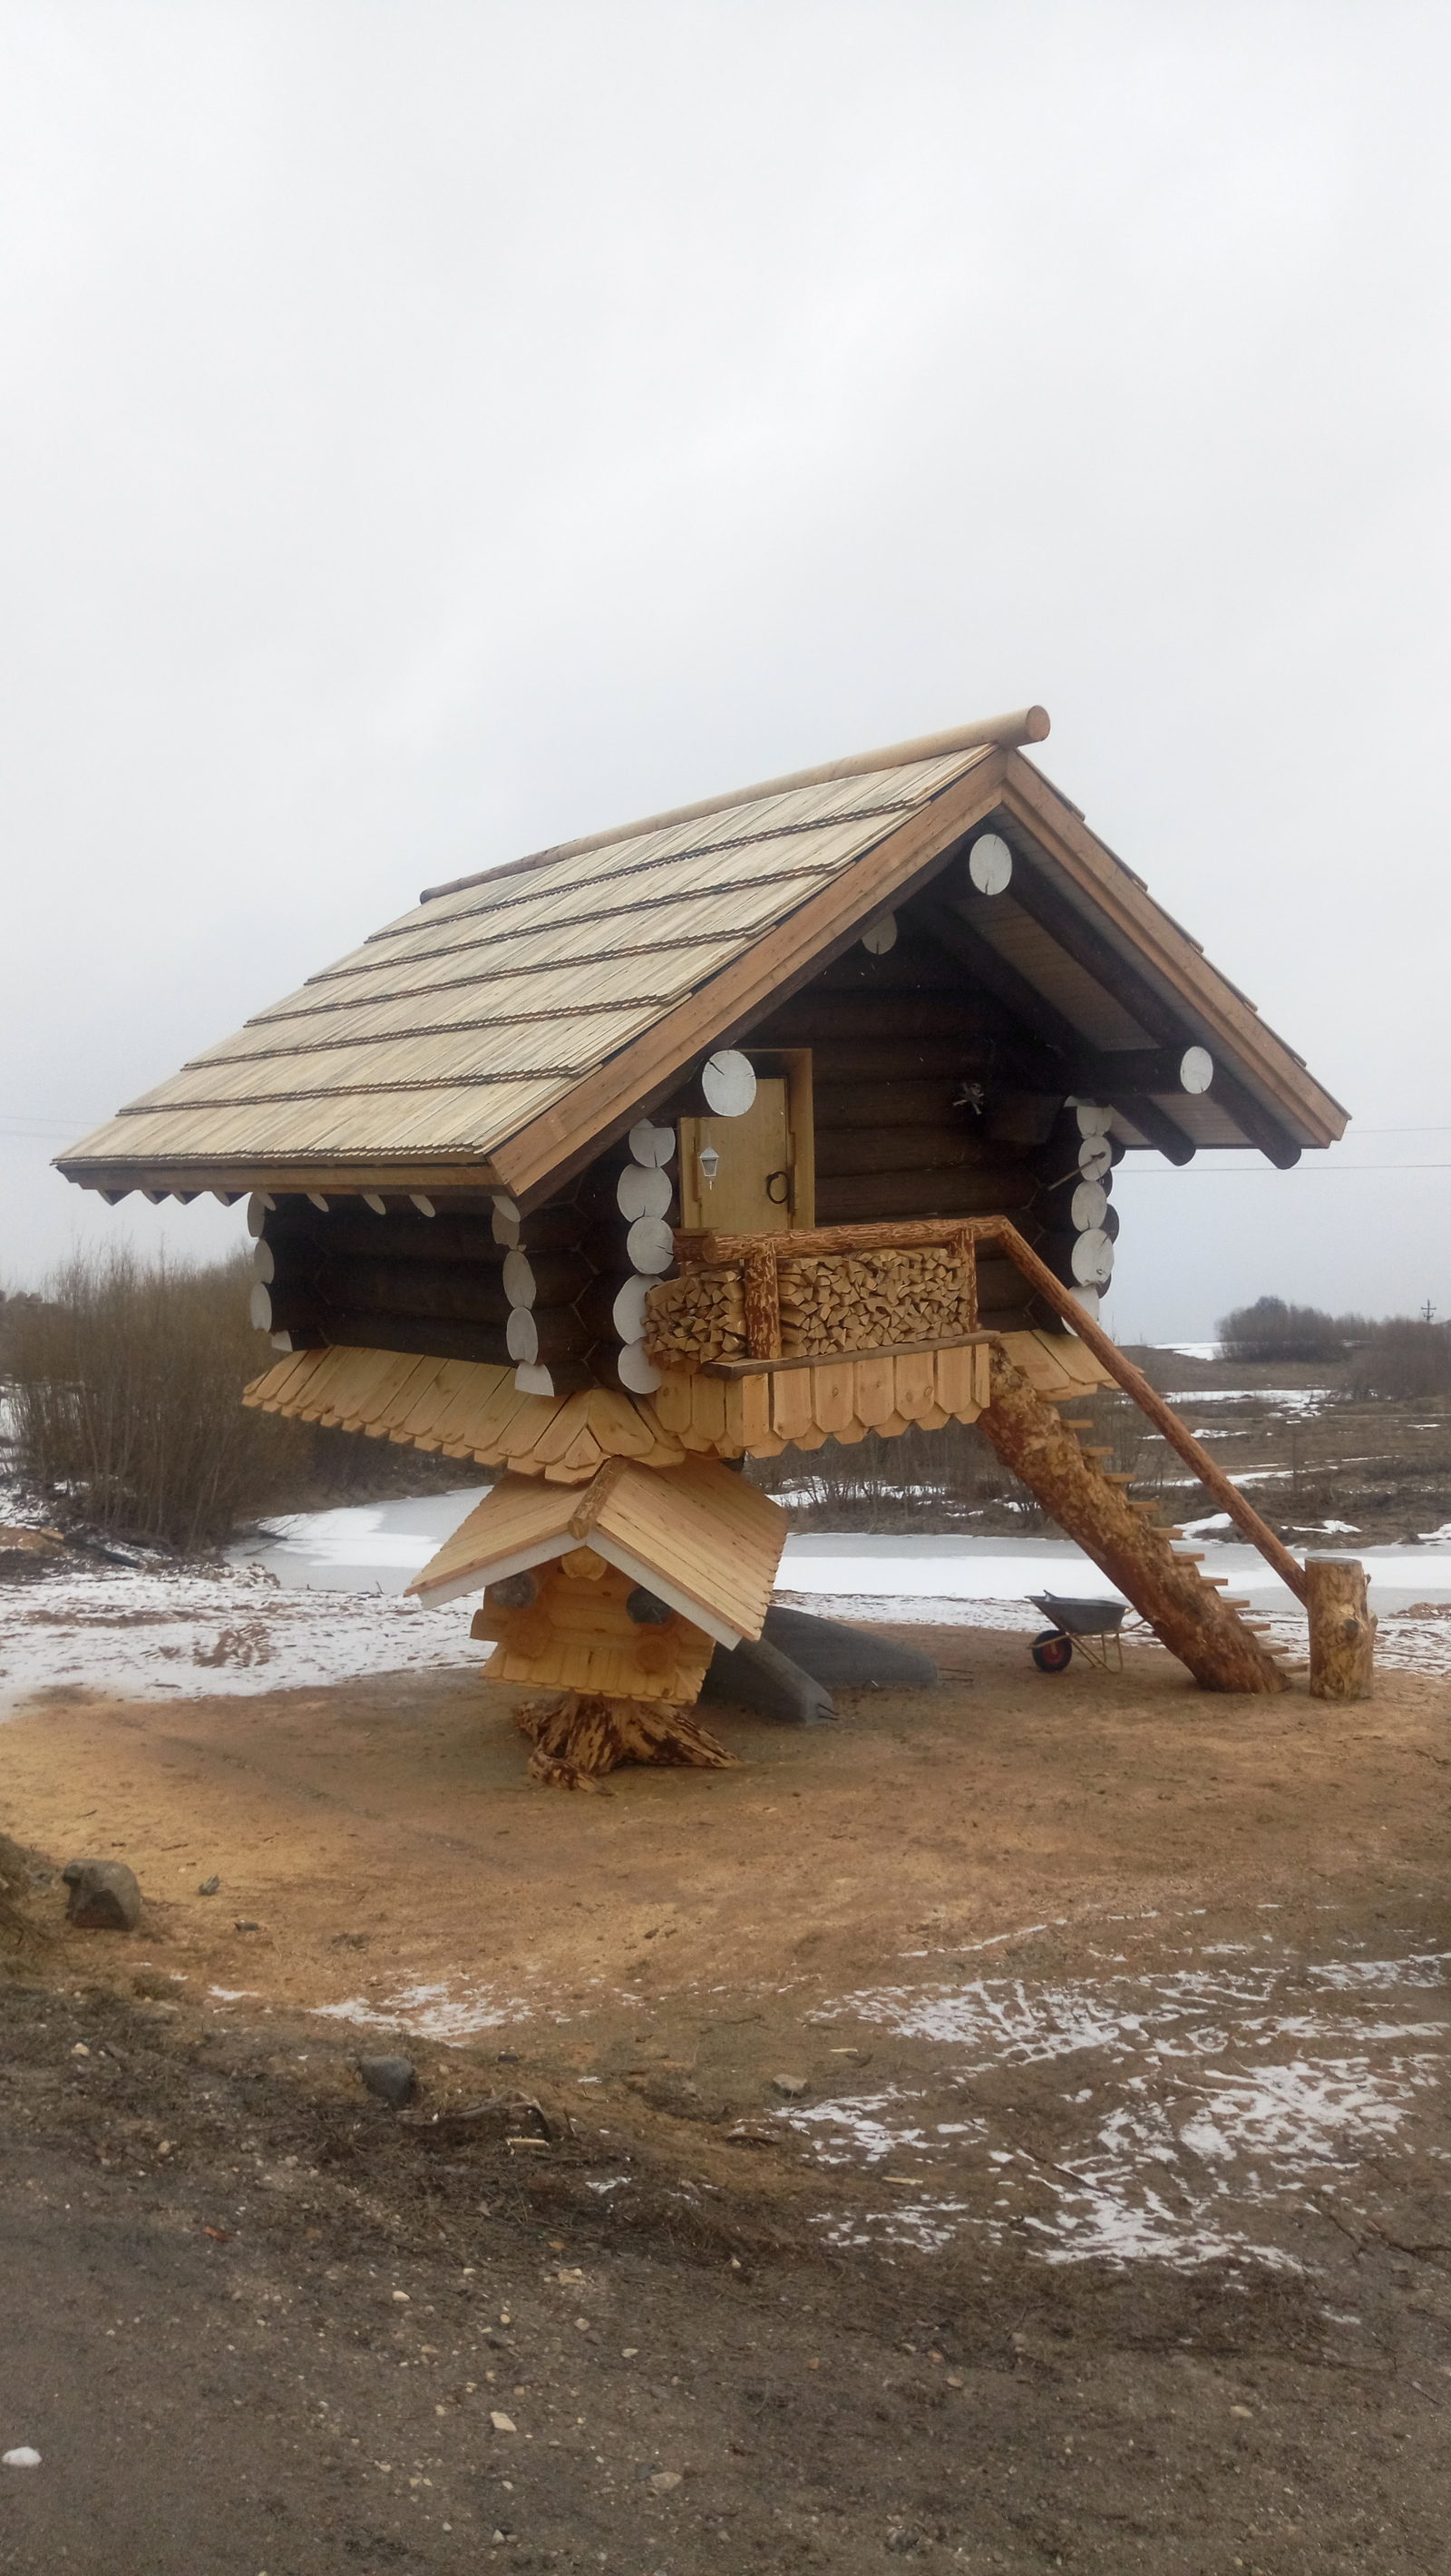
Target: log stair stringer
column 1185, row 1608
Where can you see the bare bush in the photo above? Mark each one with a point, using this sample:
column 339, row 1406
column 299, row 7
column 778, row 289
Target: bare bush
column 1404, row 1356
column 1272, row 1330
column 126, row 1378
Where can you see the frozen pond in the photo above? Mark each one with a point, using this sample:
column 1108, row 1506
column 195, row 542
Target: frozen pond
column 379, row 1547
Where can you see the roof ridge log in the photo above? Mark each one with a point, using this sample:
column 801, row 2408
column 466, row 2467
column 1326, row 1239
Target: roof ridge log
column 1010, row 732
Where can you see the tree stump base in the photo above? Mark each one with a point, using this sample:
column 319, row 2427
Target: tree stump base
column 584, row 1735
column 1342, row 1628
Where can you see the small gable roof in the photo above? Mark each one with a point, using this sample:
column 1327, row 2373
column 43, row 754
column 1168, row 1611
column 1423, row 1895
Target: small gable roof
column 491, row 1033
column 705, row 1540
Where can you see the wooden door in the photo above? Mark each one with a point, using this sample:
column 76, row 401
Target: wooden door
column 753, row 1186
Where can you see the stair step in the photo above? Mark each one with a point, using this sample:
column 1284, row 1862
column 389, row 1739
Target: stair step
column 1186, row 1555
column 1083, row 1424
column 1227, row 1604
column 1092, row 1453
column 1113, row 1475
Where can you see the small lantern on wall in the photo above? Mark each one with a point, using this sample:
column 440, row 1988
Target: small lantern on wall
column 709, row 1161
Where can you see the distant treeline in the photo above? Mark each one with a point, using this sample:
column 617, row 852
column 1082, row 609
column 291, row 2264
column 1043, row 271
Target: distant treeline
column 1398, row 1355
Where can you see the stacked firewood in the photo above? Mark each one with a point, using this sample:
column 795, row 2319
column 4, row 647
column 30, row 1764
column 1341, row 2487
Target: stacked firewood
column 699, row 1316
column 866, row 1301
column 869, row 1301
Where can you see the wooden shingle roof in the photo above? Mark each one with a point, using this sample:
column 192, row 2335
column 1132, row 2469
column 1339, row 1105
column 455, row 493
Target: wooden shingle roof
column 495, row 1031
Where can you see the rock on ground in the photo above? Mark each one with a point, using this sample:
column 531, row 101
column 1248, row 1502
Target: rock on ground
column 105, row 1896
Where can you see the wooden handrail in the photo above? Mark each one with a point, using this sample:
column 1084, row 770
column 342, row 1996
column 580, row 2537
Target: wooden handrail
column 970, row 1231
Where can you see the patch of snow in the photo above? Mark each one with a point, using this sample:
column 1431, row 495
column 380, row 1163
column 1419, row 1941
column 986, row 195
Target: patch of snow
column 1185, row 2153
column 360, row 1546
column 1290, row 1399
column 856, row 2129
column 431, row 2011
column 915, row 1610
column 159, row 1630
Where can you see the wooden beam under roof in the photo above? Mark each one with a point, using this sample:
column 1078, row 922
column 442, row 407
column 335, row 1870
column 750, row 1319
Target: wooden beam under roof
column 1090, row 948
column 1227, row 1023
column 1039, row 1018
column 1154, row 1124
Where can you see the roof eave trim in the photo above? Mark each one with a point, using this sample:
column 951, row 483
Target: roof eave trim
column 165, row 1174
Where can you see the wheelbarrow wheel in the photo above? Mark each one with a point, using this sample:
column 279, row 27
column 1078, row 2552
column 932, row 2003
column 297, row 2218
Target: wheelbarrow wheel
column 1052, row 1651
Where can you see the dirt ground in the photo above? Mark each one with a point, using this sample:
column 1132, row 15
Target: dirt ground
column 1004, row 2129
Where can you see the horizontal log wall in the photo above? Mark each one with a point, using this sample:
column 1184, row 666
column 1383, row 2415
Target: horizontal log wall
column 895, row 1040
column 435, row 1285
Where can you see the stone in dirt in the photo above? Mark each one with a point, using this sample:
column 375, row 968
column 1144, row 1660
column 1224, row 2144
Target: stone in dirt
column 105, row 1896
column 759, row 1676
column 845, row 1658
column 393, row 2079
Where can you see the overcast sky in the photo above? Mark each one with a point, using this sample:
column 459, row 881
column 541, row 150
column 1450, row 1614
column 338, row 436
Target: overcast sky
column 433, row 430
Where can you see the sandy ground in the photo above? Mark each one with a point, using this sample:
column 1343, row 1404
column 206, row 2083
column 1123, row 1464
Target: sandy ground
column 1005, row 2128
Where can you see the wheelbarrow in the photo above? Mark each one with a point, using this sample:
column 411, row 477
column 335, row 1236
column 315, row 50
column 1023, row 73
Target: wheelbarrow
column 1092, row 1626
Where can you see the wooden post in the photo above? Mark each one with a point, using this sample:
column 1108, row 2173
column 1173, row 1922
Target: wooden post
column 762, row 1302
column 1342, row 1628
column 966, row 1250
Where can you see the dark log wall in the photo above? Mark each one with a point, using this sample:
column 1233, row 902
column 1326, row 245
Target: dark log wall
column 436, row 1285
column 442, row 1286
column 931, row 1100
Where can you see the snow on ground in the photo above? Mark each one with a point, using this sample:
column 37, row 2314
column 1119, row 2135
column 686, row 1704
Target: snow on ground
column 156, row 1631
column 320, row 1597
column 1289, row 1399
column 1212, row 2093
column 1208, row 2101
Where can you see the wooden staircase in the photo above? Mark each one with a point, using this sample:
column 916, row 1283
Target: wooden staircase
column 1189, row 1611
column 1184, row 1607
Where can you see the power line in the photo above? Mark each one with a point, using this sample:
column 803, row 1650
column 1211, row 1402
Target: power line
column 1241, row 1171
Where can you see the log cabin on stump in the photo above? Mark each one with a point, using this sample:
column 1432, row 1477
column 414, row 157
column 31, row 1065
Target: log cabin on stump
column 787, row 1116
